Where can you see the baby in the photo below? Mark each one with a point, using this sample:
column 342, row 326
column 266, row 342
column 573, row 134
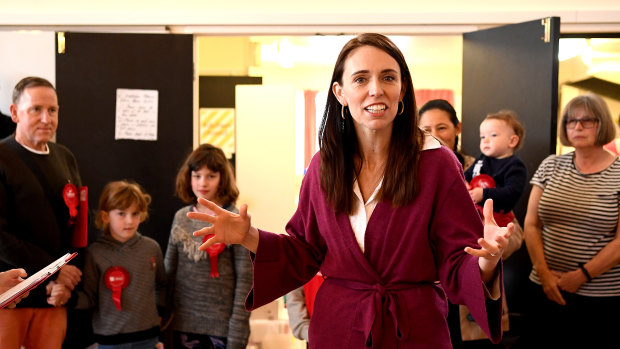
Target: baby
column 501, row 135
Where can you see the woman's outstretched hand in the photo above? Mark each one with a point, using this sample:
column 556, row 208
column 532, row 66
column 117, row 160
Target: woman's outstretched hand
column 493, row 243
column 226, row 227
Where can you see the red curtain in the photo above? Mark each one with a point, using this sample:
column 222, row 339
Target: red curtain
column 424, row 95
column 310, row 136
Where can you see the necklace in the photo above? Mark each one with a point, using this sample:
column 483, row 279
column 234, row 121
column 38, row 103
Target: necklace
column 368, row 181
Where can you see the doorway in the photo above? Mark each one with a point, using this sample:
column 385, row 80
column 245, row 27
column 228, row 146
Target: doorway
column 590, row 63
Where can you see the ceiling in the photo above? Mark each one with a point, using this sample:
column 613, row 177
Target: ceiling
column 250, row 17
column 432, row 30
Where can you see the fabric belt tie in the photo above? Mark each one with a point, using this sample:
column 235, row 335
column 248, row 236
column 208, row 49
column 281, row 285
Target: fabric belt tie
column 384, row 300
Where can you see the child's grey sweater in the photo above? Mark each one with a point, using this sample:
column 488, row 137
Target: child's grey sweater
column 202, row 304
column 141, row 256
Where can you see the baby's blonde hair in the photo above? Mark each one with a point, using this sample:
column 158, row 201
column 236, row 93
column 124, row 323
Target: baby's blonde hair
column 510, row 118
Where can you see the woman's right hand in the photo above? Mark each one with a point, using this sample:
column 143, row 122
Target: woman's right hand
column 532, row 230
column 550, row 284
column 226, row 227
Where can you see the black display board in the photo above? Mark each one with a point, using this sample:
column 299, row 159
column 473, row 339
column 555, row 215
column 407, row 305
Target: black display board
column 88, row 75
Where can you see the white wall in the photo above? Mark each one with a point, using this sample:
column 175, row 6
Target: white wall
column 25, row 53
column 265, row 144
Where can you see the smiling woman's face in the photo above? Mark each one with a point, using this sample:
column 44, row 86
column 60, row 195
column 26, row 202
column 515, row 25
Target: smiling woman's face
column 437, row 122
column 371, row 88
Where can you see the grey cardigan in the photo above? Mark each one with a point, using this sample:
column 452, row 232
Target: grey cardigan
column 202, row 304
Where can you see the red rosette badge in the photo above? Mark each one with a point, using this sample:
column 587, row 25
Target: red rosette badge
column 116, row 279
column 70, row 195
column 213, row 251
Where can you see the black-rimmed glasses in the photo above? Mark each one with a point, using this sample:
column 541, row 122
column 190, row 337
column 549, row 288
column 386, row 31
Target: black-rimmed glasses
column 571, row 123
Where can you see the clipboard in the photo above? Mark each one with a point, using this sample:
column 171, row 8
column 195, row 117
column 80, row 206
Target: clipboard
column 34, row 280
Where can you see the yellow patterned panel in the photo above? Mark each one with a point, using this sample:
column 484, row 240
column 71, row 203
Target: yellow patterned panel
column 217, row 127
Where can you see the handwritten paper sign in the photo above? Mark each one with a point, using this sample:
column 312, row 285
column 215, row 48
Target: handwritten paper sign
column 136, row 114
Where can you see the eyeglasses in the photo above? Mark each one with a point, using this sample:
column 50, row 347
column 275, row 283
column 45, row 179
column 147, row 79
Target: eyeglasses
column 585, row 122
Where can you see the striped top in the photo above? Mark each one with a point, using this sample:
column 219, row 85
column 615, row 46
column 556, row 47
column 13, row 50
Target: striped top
column 579, row 213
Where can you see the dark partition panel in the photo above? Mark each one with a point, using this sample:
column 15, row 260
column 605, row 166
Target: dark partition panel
column 219, row 91
column 88, row 74
column 514, row 67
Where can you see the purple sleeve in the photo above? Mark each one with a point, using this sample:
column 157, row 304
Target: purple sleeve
column 281, row 264
column 457, row 224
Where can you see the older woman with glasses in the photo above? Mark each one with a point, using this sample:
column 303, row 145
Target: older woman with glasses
column 572, row 234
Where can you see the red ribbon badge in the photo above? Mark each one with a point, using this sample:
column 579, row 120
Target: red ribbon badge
column 80, row 228
column 213, row 251
column 116, row 279
column 70, row 195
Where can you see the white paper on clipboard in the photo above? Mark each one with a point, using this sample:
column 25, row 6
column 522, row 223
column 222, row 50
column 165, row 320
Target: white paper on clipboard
column 34, row 280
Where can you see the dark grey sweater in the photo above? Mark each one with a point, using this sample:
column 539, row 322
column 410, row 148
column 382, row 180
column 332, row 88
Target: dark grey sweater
column 202, row 304
column 141, row 256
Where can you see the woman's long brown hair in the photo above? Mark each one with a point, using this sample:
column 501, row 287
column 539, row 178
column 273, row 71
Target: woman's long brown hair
column 339, row 146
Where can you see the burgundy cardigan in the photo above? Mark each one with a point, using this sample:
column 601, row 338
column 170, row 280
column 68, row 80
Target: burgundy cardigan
column 387, row 296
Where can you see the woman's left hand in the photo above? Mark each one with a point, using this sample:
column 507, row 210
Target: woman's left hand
column 571, row 281
column 493, row 243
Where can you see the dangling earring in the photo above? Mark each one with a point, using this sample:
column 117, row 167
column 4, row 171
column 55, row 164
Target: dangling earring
column 403, row 110
column 342, row 114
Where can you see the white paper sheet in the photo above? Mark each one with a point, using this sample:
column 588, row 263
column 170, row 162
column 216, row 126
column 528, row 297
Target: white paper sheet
column 136, row 114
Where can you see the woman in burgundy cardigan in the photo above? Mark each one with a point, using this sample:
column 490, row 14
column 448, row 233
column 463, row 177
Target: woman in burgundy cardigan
column 384, row 214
